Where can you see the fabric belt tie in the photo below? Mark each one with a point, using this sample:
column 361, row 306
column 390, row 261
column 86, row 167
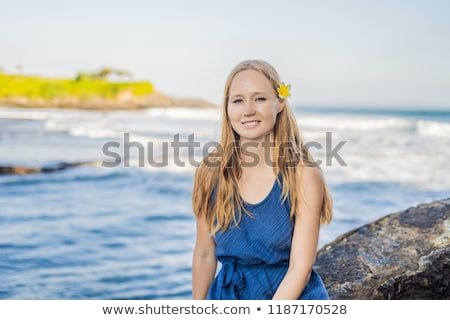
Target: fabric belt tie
column 232, row 278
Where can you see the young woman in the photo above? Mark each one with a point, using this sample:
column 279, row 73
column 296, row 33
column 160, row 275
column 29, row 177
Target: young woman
column 259, row 199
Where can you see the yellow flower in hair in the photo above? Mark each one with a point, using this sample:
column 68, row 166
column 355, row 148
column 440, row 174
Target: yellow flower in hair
column 283, row 90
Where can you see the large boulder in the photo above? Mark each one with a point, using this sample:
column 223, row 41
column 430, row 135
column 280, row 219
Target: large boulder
column 405, row 255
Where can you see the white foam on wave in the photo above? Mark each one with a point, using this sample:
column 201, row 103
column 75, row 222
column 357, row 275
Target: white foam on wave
column 7, row 113
column 433, row 128
column 147, row 123
column 94, row 132
column 184, row 113
column 162, row 155
column 408, row 164
column 82, row 127
column 355, row 123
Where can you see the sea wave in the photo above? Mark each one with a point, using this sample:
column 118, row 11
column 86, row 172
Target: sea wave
column 7, row 113
column 354, row 123
column 184, row 113
column 433, row 128
column 147, row 126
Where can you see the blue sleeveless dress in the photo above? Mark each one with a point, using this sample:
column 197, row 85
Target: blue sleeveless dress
column 254, row 256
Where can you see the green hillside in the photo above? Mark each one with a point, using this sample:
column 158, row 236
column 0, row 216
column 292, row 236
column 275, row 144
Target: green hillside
column 83, row 88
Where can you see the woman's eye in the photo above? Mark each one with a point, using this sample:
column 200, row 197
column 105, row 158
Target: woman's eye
column 237, row 100
column 260, row 99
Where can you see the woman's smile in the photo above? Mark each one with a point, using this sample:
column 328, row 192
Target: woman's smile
column 250, row 124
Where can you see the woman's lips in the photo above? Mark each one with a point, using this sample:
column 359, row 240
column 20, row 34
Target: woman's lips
column 250, row 124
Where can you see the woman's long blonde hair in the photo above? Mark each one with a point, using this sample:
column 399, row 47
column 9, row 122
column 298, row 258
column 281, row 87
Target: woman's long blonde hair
column 216, row 193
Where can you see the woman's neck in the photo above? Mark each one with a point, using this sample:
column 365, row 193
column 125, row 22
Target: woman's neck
column 258, row 154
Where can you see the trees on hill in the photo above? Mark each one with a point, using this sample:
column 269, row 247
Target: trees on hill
column 103, row 73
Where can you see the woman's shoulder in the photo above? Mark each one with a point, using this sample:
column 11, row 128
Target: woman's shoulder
column 309, row 175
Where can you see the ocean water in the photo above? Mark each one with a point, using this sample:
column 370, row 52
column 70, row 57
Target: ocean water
column 127, row 231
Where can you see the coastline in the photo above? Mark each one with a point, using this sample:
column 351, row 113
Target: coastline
column 123, row 102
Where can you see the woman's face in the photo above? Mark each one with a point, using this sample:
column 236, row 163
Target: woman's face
column 252, row 105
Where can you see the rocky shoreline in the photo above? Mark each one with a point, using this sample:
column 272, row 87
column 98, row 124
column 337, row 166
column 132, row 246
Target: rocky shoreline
column 123, row 101
column 21, row 170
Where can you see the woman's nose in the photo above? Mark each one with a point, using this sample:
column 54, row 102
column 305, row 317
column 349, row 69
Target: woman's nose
column 249, row 109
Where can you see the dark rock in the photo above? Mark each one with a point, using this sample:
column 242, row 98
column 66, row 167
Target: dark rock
column 47, row 169
column 405, row 255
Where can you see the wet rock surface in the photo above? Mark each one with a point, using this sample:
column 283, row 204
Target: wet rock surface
column 405, row 255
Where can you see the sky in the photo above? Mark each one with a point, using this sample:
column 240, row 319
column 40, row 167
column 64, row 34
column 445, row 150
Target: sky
column 333, row 53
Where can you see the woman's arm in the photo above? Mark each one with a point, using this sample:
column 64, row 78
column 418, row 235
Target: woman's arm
column 306, row 234
column 204, row 262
